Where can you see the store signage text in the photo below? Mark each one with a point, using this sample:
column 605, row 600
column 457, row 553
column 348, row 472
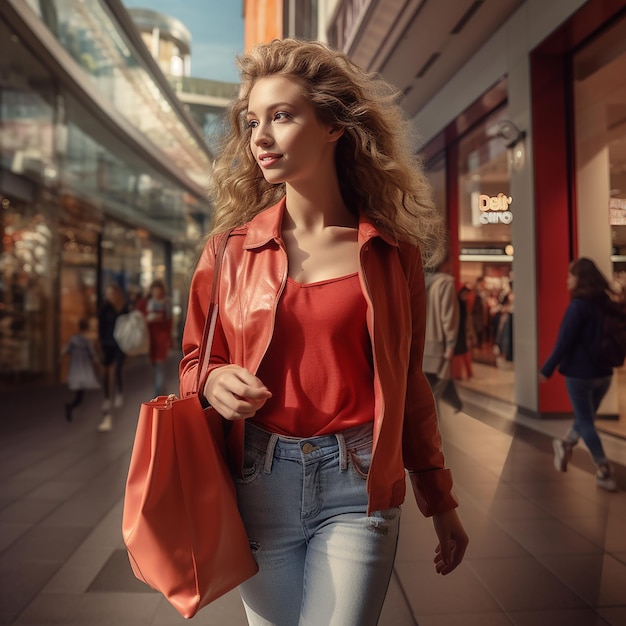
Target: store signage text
column 493, row 209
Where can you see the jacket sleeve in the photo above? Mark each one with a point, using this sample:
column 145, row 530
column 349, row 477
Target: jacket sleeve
column 421, row 440
column 450, row 313
column 197, row 309
column 569, row 334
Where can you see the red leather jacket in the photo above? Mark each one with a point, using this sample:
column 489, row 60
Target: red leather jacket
column 254, row 272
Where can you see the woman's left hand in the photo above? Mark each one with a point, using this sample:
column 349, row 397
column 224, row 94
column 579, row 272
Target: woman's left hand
column 453, row 541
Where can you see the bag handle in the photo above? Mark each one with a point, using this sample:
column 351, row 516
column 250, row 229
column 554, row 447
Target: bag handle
column 211, row 318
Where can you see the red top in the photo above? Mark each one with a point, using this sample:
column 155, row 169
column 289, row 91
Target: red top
column 159, row 317
column 319, row 363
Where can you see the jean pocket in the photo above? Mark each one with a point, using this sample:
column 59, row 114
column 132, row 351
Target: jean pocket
column 360, row 460
column 252, row 463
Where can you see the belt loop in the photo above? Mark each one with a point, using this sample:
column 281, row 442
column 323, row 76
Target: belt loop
column 343, row 453
column 269, row 453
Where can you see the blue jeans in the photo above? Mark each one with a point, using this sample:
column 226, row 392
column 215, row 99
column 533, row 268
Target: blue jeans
column 585, row 395
column 159, row 377
column 322, row 560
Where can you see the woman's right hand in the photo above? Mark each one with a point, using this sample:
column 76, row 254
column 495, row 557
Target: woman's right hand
column 234, row 392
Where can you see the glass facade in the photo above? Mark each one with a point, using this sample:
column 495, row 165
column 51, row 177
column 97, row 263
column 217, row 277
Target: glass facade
column 79, row 207
column 485, row 213
column 89, row 33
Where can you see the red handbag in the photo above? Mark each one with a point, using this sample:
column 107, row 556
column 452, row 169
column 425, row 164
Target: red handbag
column 181, row 524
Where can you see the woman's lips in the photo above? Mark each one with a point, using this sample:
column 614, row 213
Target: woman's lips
column 268, row 159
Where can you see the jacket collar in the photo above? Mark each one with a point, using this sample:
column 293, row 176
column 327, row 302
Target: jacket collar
column 266, row 227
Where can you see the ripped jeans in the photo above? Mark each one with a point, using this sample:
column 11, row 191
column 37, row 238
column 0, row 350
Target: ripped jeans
column 322, row 560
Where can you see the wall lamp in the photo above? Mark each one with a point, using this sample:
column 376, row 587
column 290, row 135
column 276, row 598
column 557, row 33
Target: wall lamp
column 513, row 139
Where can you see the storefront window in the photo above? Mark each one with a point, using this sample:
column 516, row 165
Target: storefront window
column 28, row 173
column 79, row 232
column 600, row 124
column 486, row 211
column 26, row 289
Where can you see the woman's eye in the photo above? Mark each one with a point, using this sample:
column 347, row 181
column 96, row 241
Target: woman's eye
column 281, row 115
column 252, row 124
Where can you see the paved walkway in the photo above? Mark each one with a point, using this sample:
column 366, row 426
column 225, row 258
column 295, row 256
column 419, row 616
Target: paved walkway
column 546, row 548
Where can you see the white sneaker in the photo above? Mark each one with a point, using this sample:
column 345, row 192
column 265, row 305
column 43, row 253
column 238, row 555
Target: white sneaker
column 106, row 405
column 106, row 424
column 604, row 478
column 562, row 454
column 119, row 401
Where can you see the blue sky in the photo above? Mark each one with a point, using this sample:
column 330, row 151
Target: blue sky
column 216, row 28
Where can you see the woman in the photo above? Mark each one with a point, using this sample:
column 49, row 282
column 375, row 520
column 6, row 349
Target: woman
column 112, row 357
column 317, row 355
column 442, row 328
column 158, row 311
column 587, row 379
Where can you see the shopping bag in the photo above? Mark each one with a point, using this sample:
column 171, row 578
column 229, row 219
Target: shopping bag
column 181, row 524
column 131, row 333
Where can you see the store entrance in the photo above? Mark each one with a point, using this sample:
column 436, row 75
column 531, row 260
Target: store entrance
column 600, row 133
column 489, row 367
column 486, row 297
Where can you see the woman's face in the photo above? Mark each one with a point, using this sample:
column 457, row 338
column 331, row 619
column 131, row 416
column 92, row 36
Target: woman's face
column 287, row 140
column 571, row 281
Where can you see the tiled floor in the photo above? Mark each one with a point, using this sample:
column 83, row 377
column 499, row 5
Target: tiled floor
column 546, row 548
column 496, row 382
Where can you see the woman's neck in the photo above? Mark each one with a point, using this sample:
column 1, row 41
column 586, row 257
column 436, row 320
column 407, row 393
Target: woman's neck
column 317, row 210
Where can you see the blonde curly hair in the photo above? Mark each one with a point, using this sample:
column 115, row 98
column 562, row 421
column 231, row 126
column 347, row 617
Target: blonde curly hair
column 378, row 173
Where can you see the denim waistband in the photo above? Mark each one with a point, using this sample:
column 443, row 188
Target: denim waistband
column 308, row 448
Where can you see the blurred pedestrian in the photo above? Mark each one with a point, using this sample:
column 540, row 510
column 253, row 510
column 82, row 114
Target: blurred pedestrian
column 136, row 299
column 317, row 353
column 81, row 374
column 503, row 342
column 587, row 379
column 466, row 339
column 479, row 313
column 112, row 356
column 158, row 310
column 442, row 328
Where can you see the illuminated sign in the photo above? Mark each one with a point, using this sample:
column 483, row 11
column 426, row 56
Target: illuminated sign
column 491, row 209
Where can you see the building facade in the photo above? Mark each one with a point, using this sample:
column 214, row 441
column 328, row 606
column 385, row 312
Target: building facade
column 103, row 176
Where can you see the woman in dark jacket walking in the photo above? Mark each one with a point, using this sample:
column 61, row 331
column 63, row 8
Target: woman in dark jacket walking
column 587, row 379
